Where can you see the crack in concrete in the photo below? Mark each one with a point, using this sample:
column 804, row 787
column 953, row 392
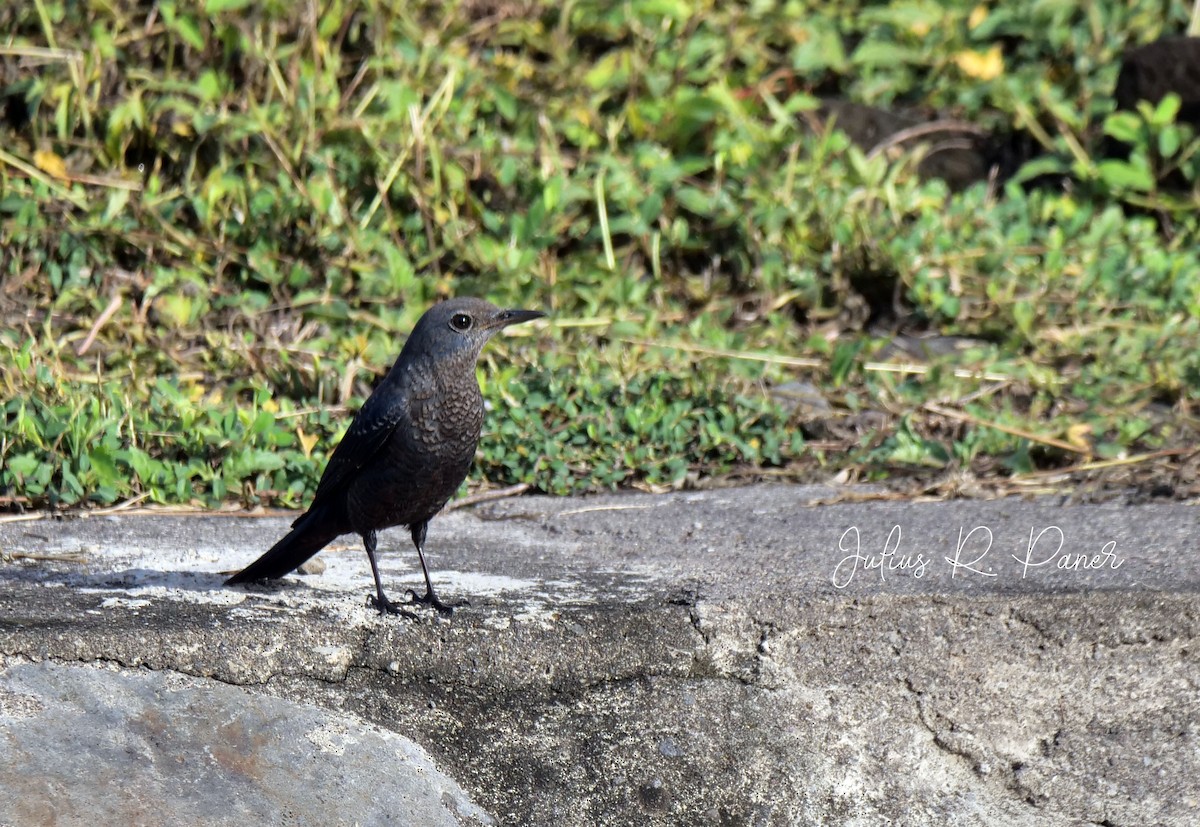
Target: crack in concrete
column 938, row 737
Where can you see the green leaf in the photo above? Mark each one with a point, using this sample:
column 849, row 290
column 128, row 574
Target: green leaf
column 695, row 201
column 611, row 71
column 22, row 465
column 208, row 86
column 1124, row 175
column 845, row 356
column 1124, row 126
column 1167, row 110
column 552, row 193
column 884, row 53
column 624, row 330
column 1047, row 165
column 506, row 104
column 118, row 199
column 674, row 9
column 104, row 466
column 818, row 48
column 251, row 462
column 185, row 27
column 1169, row 141
column 221, row 6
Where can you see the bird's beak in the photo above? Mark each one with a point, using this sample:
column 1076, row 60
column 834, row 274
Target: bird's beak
column 506, row 317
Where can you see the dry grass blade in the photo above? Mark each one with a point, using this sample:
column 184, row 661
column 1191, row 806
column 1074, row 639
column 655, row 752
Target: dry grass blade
column 487, row 496
column 119, row 507
column 1018, row 432
column 770, row 358
column 72, row 557
column 36, row 174
column 41, row 54
column 926, row 129
column 597, row 508
column 114, row 304
column 27, row 517
column 800, row 362
column 1034, row 477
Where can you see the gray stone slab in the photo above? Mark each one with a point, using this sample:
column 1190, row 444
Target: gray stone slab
column 732, row 657
column 100, row 746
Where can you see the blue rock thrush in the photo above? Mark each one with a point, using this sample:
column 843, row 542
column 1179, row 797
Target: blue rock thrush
column 406, row 452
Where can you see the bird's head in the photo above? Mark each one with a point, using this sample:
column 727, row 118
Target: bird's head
column 459, row 328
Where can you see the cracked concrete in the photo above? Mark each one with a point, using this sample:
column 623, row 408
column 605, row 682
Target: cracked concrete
column 735, row 657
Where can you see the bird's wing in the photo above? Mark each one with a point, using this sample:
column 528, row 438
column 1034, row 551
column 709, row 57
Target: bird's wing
column 378, row 419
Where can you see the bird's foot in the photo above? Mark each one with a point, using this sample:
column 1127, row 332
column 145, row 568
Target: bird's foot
column 431, row 599
column 386, row 606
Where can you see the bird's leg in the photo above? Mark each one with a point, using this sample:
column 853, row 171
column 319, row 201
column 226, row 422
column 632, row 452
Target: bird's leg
column 380, row 601
column 430, row 598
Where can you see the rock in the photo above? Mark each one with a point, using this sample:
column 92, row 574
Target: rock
column 1152, row 71
column 736, row 657
column 103, row 746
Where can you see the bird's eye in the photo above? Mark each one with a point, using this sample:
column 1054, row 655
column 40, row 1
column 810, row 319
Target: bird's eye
column 460, row 321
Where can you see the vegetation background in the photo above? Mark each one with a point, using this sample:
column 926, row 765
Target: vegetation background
column 218, row 219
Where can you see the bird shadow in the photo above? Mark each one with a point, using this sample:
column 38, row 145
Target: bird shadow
column 141, row 578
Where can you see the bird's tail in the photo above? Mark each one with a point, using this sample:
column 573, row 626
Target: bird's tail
column 309, row 534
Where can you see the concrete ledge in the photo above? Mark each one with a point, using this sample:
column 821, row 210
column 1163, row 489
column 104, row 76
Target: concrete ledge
column 676, row 659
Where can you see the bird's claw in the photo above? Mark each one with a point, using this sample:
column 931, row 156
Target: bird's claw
column 386, row 606
column 431, row 599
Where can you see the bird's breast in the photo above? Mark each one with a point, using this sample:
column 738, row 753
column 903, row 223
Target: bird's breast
column 421, row 466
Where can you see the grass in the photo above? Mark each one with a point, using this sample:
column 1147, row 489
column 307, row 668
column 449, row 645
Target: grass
column 219, row 220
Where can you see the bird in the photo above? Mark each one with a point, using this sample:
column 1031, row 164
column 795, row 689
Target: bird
column 407, row 450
